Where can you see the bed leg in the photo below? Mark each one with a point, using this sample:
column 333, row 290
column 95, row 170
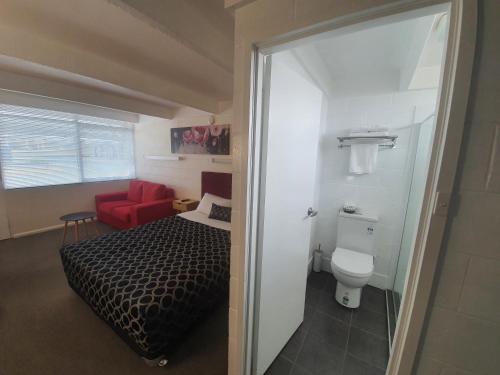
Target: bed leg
column 156, row 362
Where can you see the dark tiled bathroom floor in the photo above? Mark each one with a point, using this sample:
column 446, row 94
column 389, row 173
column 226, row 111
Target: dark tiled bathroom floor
column 335, row 340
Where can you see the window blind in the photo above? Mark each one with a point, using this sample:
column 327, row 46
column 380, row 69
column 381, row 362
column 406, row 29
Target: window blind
column 41, row 147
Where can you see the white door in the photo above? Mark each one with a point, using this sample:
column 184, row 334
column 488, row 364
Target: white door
column 289, row 170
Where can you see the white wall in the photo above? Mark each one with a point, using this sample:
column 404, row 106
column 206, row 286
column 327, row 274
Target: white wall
column 152, row 137
column 384, row 192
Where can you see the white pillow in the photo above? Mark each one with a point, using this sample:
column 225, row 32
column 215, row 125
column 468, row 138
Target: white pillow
column 206, row 203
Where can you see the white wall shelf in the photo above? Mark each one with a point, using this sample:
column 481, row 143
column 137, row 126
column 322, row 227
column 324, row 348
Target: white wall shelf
column 221, row 161
column 162, row 157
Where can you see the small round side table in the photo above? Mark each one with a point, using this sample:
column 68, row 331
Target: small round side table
column 76, row 217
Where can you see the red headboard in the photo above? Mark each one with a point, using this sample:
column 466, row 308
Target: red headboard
column 216, row 183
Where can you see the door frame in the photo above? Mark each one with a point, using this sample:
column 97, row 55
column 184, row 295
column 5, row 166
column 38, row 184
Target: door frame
column 4, row 217
column 451, row 110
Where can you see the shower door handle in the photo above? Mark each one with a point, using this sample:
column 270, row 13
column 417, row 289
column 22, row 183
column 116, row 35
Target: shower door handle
column 311, row 212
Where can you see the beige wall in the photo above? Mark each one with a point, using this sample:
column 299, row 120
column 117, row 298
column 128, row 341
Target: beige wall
column 152, row 138
column 4, row 220
column 464, row 332
column 34, row 209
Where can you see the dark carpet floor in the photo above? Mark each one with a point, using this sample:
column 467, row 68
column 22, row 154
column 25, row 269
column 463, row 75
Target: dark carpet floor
column 45, row 328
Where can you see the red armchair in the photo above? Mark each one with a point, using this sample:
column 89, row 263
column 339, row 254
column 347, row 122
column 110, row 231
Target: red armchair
column 143, row 202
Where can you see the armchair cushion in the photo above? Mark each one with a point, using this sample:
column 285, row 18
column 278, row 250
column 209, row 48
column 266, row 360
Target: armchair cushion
column 150, row 211
column 135, row 191
column 153, row 192
column 118, row 196
column 110, row 207
column 122, row 213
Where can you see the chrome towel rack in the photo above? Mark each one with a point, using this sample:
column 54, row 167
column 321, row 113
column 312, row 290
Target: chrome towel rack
column 384, row 141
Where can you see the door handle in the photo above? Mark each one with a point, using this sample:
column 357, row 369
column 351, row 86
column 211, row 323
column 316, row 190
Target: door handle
column 311, row 212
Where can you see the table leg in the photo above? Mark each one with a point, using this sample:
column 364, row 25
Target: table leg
column 77, row 234
column 95, row 226
column 65, row 232
column 86, row 229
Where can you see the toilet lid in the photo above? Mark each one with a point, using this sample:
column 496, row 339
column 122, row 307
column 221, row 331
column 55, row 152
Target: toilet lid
column 352, row 263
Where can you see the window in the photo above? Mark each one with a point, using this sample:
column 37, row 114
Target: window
column 40, row 147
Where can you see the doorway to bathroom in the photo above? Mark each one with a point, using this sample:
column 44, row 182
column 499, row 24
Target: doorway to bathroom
column 347, row 137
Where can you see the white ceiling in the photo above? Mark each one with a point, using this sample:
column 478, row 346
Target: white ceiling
column 377, row 49
column 180, row 52
column 373, row 60
column 177, row 51
column 210, row 30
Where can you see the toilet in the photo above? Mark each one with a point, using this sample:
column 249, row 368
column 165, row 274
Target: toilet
column 352, row 260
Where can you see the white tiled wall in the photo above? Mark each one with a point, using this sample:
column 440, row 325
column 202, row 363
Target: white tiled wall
column 383, row 193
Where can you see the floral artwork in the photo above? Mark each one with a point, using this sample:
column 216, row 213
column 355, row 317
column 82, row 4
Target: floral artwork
column 209, row 139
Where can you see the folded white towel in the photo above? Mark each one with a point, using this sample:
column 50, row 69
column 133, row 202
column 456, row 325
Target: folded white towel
column 363, row 158
column 368, row 134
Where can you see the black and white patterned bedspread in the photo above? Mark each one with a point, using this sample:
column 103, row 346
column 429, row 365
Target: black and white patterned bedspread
column 153, row 282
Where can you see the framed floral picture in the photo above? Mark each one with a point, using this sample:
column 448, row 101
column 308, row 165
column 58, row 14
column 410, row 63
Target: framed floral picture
column 207, row 139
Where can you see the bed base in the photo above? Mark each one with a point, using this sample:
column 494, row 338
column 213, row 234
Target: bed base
column 160, row 361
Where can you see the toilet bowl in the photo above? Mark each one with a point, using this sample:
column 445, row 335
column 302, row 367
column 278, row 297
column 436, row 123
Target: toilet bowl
column 353, row 270
column 352, row 260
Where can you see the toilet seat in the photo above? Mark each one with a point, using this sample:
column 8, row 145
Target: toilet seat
column 352, row 263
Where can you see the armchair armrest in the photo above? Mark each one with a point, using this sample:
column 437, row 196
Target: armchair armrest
column 118, row 196
column 145, row 212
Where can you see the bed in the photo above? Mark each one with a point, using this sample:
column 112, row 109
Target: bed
column 152, row 283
